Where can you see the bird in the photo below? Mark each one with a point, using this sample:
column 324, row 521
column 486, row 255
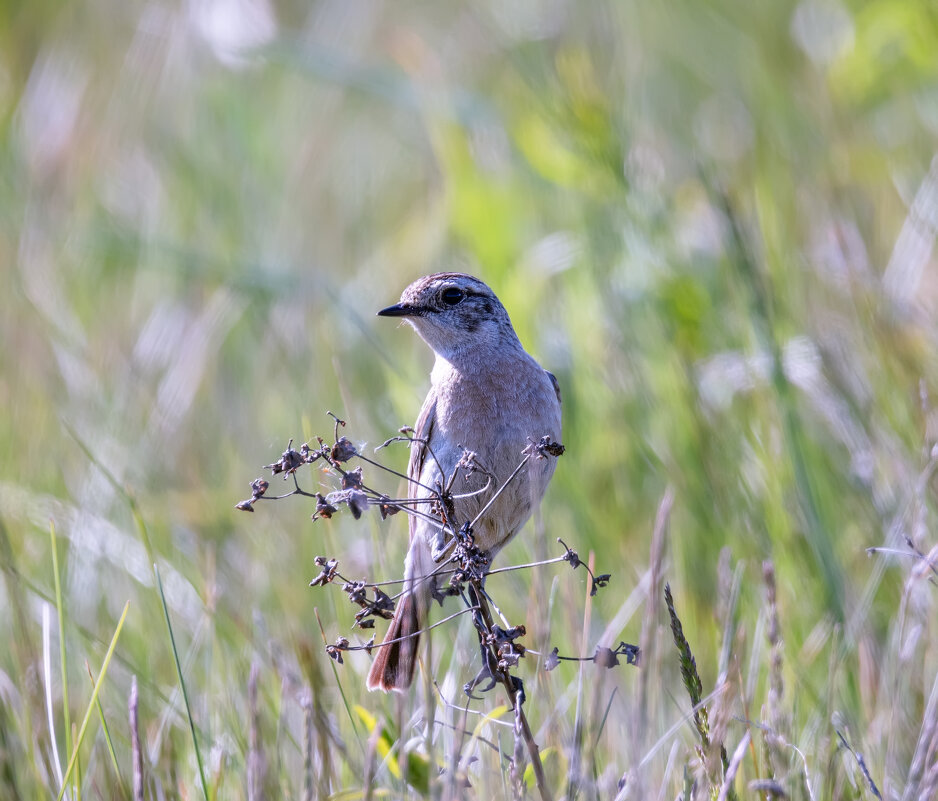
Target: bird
column 489, row 396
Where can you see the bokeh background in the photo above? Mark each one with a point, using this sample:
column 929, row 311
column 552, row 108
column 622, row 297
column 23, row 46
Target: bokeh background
column 713, row 221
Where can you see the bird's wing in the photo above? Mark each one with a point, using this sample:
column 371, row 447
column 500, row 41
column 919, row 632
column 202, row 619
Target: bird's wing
column 555, row 382
column 423, row 430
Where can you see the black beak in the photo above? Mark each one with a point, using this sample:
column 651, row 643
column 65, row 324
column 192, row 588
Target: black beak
column 400, row 310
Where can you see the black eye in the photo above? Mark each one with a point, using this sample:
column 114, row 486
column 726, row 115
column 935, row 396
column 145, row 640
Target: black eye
column 452, row 296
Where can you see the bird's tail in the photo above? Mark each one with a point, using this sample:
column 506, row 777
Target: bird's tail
column 393, row 668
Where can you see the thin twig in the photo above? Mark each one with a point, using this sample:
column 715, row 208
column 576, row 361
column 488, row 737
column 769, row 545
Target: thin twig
column 409, row 636
column 411, row 440
column 520, row 718
column 527, row 566
column 449, row 704
column 501, row 489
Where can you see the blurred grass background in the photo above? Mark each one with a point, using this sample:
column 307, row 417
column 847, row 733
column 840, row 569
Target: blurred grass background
column 714, row 221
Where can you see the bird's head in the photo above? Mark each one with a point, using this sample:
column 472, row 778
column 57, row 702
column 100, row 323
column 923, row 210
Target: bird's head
column 455, row 313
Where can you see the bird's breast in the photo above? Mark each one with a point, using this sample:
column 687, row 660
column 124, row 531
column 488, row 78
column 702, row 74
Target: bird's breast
column 496, row 411
column 498, row 405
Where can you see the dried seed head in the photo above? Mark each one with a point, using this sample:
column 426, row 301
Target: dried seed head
column 352, row 479
column 343, row 450
column 356, row 592
column 509, row 660
column 309, row 455
column 335, row 650
column 328, row 573
column 289, row 461
column 386, row 507
column 323, row 508
column 543, row 448
column 599, row 582
column 605, row 657
column 469, row 463
column 552, row 659
column 383, row 601
column 356, row 499
column 632, row 653
column 357, row 502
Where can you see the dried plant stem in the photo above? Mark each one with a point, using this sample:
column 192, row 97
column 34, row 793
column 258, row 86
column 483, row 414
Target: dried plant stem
column 256, row 767
column 459, row 557
column 773, row 740
column 526, row 566
column 522, row 728
column 650, row 622
column 453, row 775
column 445, row 570
column 576, row 767
column 385, row 643
column 501, row 489
column 861, row 763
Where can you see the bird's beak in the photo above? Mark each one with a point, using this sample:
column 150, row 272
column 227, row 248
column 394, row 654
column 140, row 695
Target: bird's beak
column 398, row 310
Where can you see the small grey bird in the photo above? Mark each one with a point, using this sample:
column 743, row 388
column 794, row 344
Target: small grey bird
column 486, row 395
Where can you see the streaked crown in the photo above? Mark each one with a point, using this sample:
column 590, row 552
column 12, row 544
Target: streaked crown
column 454, row 312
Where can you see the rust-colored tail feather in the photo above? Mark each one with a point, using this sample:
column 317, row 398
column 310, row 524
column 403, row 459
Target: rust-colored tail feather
column 393, row 668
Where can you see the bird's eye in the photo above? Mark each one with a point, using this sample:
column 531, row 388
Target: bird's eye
column 452, row 296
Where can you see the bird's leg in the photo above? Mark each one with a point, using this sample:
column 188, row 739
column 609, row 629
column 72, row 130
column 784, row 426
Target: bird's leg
column 484, row 673
column 494, row 605
column 518, row 686
column 439, row 545
column 489, row 665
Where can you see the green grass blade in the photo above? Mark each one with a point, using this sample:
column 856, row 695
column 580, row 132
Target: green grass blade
column 94, row 697
column 107, row 739
column 182, row 683
column 60, row 609
column 78, row 776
